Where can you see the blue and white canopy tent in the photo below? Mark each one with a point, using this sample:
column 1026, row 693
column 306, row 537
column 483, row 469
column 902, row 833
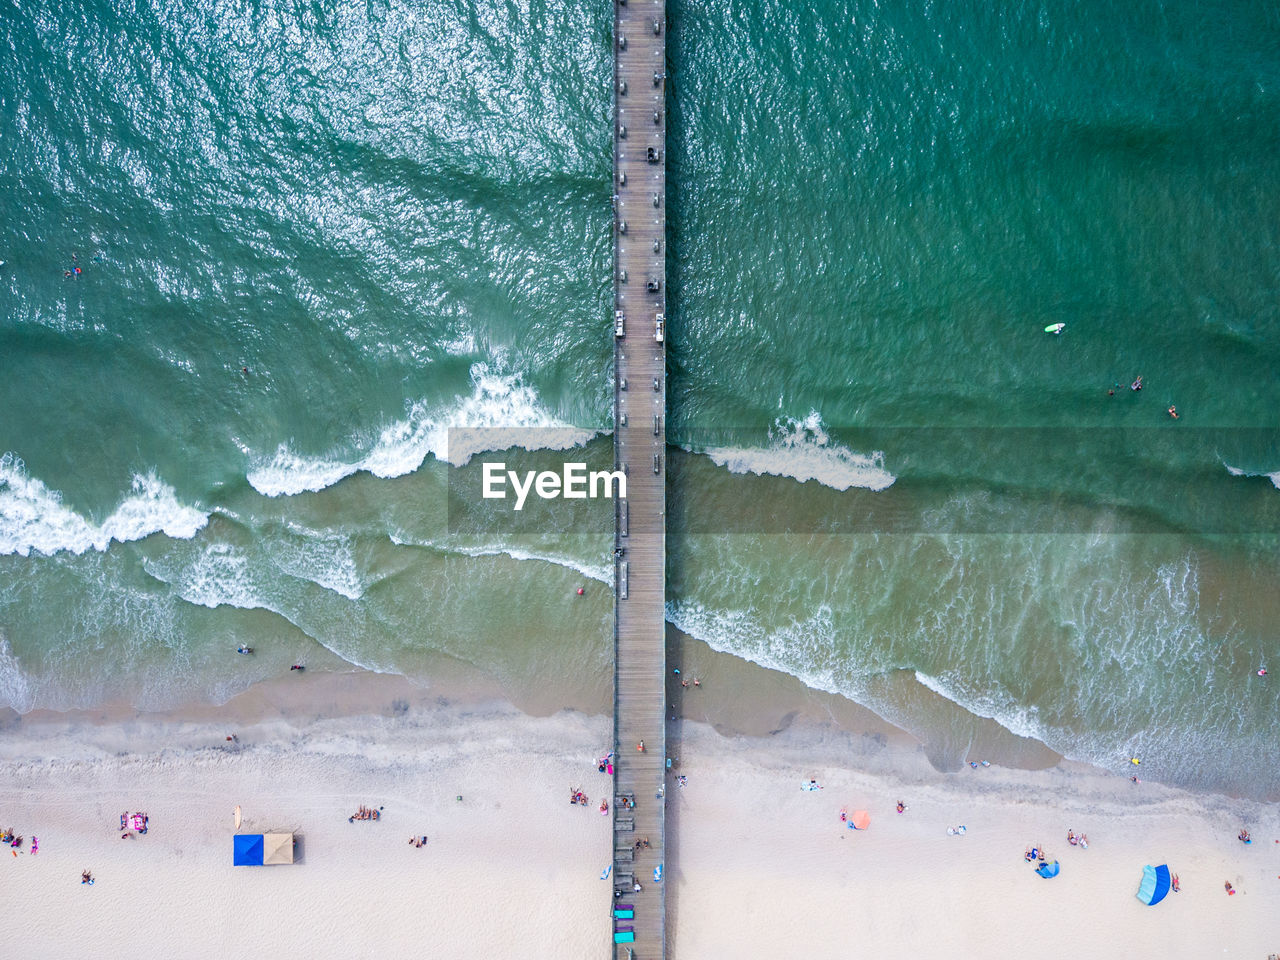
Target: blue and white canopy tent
column 1155, row 884
column 261, row 849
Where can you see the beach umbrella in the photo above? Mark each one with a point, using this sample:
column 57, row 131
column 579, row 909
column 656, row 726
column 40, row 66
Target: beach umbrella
column 1155, row 884
column 247, row 850
column 1049, row 869
column 860, row 820
column 277, row 848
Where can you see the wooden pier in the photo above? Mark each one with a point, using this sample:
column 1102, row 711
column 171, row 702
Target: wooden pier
column 640, row 277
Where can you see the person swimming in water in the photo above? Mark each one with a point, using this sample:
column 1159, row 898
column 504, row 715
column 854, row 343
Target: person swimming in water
column 1136, row 385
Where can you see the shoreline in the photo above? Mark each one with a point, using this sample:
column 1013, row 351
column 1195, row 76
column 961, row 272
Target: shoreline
column 756, row 866
column 739, row 698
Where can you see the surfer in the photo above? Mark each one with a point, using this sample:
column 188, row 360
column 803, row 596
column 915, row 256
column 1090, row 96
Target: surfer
column 1136, row 385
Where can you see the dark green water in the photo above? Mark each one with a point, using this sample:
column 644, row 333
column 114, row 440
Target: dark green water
column 321, row 246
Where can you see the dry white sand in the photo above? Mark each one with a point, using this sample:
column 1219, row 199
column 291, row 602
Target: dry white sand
column 756, row 868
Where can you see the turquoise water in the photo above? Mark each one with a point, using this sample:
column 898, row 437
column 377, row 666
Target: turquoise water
column 329, row 256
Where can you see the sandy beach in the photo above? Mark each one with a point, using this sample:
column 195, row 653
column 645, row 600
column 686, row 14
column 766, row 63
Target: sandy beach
column 758, row 867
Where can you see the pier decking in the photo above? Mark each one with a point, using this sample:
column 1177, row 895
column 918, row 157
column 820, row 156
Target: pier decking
column 639, row 170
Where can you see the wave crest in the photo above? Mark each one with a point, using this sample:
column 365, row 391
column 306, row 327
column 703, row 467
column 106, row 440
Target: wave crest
column 801, row 449
column 500, row 413
column 1273, row 476
column 33, row 517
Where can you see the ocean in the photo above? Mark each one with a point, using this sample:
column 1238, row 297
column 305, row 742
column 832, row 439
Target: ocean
column 325, row 259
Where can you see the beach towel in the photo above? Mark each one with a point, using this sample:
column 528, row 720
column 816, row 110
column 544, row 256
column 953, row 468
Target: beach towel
column 604, row 875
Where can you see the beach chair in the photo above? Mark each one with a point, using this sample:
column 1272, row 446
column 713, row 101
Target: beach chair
column 624, row 854
column 620, row 914
column 624, row 824
column 624, row 936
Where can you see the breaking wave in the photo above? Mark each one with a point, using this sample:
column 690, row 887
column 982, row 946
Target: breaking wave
column 801, row 449
column 501, row 412
column 33, row 517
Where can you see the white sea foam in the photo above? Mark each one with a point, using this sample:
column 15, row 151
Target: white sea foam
column 802, row 449
column 601, row 572
column 502, row 411
column 326, row 559
column 15, row 688
column 287, row 473
column 740, row 633
column 1274, row 477
column 1017, row 719
column 33, row 517
column 220, row 576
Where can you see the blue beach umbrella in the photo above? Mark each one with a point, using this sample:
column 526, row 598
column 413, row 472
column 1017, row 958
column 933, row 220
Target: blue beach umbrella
column 1155, row 884
column 247, row 849
column 1049, row 869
